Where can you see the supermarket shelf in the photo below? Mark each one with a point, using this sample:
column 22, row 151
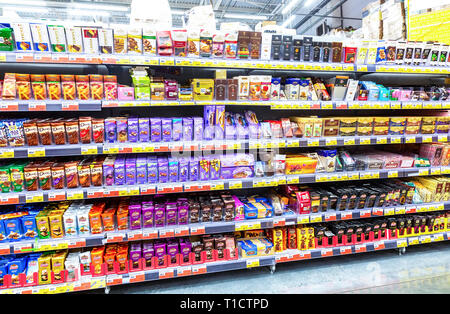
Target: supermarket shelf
column 64, row 58
column 89, row 282
column 40, row 245
column 92, row 105
column 85, row 283
column 288, row 104
column 51, row 105
column 149, row 147
column 296, row 255
column 214, row 185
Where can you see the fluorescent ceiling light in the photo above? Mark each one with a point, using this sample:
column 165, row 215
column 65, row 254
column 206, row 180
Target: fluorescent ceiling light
column 88, row 13
column 289, row 6
column 24, row 2
column 95, row 6
column 25, row 9
column 178, row 12
column 245, row 16
column 288, row 21
column 308, row 3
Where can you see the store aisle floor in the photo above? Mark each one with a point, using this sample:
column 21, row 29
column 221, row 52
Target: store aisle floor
column 423, row 269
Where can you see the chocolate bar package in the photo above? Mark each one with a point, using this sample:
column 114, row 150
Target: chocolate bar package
column 204, row 168
column 232, row 89
column 316, row 47
column 336, row 50
column 188, row 129
column 166, row 129
column 173, row 169
column 130, row 171
column 133, row 129
column 287, row 47
column 183, row 169
column 307, row 48
column 209, row 119
column 297, row 48
column 276, row 47
column 177, row 129
column 119, row 171
column 220, row 89
column 255, row 45
column 194, row 169
column 198, row 128
column 243, row 45
column 219, row 129
column 152, row 169
column 163, row 170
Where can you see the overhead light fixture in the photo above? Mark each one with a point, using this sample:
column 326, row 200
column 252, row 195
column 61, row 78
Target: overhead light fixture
column 24, row 9
column 245, row 16
column 95, row 6
column 289, row 6
column 308, row 3
column 25, row 2
column 178, row 12
column 288, row 21
column 88, row 13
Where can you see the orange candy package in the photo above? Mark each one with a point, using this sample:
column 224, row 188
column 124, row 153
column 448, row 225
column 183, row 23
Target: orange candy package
column 82, row 83
column 53, row 86
column 38, row 86
column 96, row 85
column 23, row 86
column 68, row 87
column 9, row 86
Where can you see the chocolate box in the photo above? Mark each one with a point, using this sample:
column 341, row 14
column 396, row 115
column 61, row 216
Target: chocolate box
column 152, row 169
column 155, row 129
column 188, row 129
column 135, row 211
column 119, row 171
column 237, row 166
column 160, row 215
column 183, row 169
column 147, row 214
column 163, row 170
column 130, row 171
column 173, row 165
column 144, row 129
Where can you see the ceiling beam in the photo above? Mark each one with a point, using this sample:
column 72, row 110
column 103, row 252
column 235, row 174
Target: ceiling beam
column 327, row 13
column 311, row 13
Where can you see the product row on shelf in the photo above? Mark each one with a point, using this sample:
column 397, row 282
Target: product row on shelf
column 85, row 218
column 215, row 125
column 209, row 43
column 60, row 266
column 132, row 170
column 254, row 87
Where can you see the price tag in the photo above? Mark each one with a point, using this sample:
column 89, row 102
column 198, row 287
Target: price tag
column 315, row 218
column 425, row 239
column 393, row 174
column 331, row 141
column 149, row 234
column 89, row 150
column 381, row 140
column 134, row 235
column 400, row 210
column 235, row 184
column 75, row 195
column 349, row 141
column 330, row 216
column 253, row 262
column 439, row 237
column 281, row 180
column 378, row 245
column 402, row 243
column 34, row 198
column 445, row 170
column 410, row 209
column 165, row 273
column 410, row 139
column 396, row 105
column 217, row 185
column 197, row 230
column 389, row 211
column 435, row 171
column 345, row 250
column 423, row 172
column 198, row 269
column 442, row 138
column 377, row 211
column 277, row 222
column 37, row 106
column 36, row 152
column 365, row 213
column 147, row 189
column 112, row 237
column 313, row 142
column 412, row 241
column 326, row 252
column 360, row 248
column 166, row 233
column 69, row 106
column 346, row 215
column 396, row 140
column 184, row 271
column 292, row 143
column 292, row 180
column 427, row 138
column 364, row 141
column 302, row 219
column 7, row 153
column 182, row 231
column 56, row 196
column 329, row 105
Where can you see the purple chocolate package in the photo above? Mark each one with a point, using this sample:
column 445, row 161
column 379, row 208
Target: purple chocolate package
column 209, row 119
column 171, row 214
column 172, row 251
column 144, row 130
column 133, row 129
column 193, row 169
column 160, row 215
column 214, row 168
column 135, row 254
column 111, row 130
column 173, row 169
column 204, row 168
column 237, row 166
column 171, row 89
column 183, row 169
column 130, row 171
column 155, row 129
column 183, row 214
column 119, row 171
column 141, row 169
column 147, row 214
column 122, row 133
column 219, row 129
column 160, row 252
column 163, row 170
column 185, row 250
column 188, row 129
column 241, row 126
column 254, row 128
column 166, row 129
column 177, row 129
column 134, row 212
column 148, row 252
column 108, row 170
column 230, row 126
column 152, row 169
column 198, row 129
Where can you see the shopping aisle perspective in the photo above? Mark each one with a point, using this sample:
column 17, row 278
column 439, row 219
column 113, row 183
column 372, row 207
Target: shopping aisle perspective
column 423, row 269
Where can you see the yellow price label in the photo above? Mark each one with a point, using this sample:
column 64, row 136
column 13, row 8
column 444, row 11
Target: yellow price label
column 7, row 153
column 2, row 57
column 111, row 150
column 36, row 152
column 258, row 183
column 396, row 140
column 235, row 185
column 217, row 186
column 423, row 172
column 326, row 106
column 303, row 219
column 331, row 142
column 313, row 142
column 410, row 139
column 389, row 211
column 133, row 192
column 393, row 174
column 435, row 171
column 402, row 243
column 293, row 143
column 364, row 141
column 362, row 68
column 34, row 198
column 293, row 180
column 349, row 141
column 382, row 140
column 137, row 149
column 252, row 263
column 282, row 181
column 315, row 218
column 92, row 150
column 75, row 196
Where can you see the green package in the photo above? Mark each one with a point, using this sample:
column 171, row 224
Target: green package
column 17, row 177
column 42, row 224
column 5, row 179
column 142, row 93
column 6, row 39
